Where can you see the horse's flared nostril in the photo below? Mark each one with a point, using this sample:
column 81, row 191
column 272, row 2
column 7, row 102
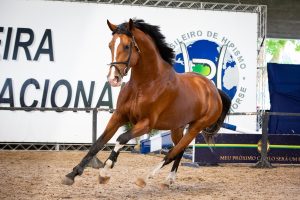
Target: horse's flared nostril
column 117, row 78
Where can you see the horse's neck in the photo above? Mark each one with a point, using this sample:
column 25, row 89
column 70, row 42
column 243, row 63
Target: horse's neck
column 150, row 65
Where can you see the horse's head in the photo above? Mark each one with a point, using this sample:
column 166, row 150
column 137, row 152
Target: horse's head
column 124, row 51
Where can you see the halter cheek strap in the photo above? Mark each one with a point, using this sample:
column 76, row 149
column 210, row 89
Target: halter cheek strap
column 114, row 64
column 127, row 62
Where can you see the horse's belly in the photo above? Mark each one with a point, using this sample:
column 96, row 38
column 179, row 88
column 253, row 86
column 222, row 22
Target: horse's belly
column 174, row 117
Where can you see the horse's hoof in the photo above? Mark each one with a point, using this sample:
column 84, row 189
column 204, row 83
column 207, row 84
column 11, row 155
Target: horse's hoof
column 67, row 181
column 140, row 182
column 164, row 186
column 103, row 179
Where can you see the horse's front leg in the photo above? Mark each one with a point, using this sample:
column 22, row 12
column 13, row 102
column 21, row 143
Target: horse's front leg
column 104, row 175
column 139, row 129
column 114, row 123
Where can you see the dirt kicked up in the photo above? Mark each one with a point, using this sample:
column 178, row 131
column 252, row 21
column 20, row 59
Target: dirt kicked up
column 38, row 175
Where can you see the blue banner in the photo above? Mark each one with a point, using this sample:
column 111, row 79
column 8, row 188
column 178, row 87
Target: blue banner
column 284, row 87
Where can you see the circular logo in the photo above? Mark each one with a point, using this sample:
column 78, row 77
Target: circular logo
column 212, row 60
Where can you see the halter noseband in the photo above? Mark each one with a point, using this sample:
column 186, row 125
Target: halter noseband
column 114, row 64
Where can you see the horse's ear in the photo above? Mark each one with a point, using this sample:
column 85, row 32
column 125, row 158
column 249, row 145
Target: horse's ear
column 111, row 26
column 130, row 24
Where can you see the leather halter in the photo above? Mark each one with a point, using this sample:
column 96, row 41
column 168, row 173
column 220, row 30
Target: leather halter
column 127, row 62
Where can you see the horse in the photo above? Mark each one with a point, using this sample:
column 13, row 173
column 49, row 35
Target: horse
column 155, row 97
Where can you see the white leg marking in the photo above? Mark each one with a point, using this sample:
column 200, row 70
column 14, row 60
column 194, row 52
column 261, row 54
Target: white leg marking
column 155, row 170
column 105, row 170
column 142, row 182
column 171, row 177
column 118, row 146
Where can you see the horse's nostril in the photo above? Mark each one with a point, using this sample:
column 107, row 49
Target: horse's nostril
column 117, row 78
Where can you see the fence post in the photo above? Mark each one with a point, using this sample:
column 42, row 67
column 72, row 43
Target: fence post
column 94, row 136
column 264, row 163
column 95, row 162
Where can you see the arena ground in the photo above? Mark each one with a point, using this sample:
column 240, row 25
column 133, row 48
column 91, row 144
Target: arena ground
column 37, row 175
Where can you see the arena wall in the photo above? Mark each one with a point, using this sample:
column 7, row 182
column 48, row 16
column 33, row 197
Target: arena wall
column 55, row 54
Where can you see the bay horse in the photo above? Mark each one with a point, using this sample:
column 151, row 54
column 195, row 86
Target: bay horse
column 155, row 97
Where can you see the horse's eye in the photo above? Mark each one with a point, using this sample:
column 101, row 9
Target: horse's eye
column 126, row 46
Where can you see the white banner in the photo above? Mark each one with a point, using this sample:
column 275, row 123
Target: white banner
column 55, row 54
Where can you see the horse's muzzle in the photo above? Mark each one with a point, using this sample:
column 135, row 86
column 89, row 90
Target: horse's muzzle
column 114, row 77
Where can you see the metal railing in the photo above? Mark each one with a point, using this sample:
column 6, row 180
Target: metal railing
column 60, row 146
column 263, row 163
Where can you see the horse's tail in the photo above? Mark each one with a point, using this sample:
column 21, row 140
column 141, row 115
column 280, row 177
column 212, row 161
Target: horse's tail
column 211, row 131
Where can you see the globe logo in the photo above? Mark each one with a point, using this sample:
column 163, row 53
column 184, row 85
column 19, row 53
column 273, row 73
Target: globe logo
column 211, row 60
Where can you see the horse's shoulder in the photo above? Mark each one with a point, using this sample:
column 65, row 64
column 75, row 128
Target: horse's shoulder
column 124, row 92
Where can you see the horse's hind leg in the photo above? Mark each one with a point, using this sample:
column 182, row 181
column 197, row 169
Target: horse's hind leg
column 172, row 175
column 193, row 130
column 176, row 136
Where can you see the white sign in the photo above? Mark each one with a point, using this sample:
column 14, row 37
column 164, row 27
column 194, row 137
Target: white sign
column 55, row 54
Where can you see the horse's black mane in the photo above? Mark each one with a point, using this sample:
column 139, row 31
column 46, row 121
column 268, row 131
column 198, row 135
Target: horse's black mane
column 165, row 51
